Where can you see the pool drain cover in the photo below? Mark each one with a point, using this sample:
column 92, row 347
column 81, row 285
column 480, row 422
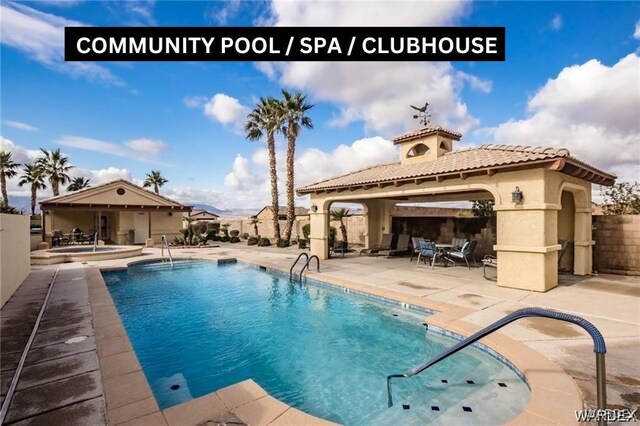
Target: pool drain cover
column 406, row 406
column 175, row 387
column 76, row 339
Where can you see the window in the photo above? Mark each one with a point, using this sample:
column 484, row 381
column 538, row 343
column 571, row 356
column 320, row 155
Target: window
column 418, row 150
column 120, row 191
column 443, row 145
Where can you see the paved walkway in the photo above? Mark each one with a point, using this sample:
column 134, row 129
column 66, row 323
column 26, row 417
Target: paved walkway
column 611, row 302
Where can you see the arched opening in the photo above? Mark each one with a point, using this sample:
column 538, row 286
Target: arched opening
column 418, row 150
column 347, row 224
column 443, row 145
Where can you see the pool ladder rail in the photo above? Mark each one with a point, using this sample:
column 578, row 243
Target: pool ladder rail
column 598, row 344
column 305, row 266
column 166, row 244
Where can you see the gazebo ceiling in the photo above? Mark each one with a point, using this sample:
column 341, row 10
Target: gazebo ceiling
column 485, row 160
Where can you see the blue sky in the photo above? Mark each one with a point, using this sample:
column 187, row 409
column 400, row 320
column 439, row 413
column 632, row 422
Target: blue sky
column 571, row 79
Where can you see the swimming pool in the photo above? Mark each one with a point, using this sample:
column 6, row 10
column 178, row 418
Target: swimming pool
column 202, row 327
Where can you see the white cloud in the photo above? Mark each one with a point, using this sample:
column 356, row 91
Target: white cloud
column 140, row 10
column 556, row 23
column 21, row 126
column 147, row 146
column 90, row 144
column 636, row 33
column 591, row 109
column 241, row 177
column 226, row 110
column 378, row 93
column 104, row 175
column 221, row 12
column 195, row 101
column 18, row 154
column 41, row 36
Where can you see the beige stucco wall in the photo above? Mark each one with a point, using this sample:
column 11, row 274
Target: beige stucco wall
column 617, row 248
column 14, row 253
column 163, row 223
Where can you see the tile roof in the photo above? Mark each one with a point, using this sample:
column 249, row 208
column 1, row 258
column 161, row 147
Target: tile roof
column 425, row 131
column 467, row 160
column 282, row 210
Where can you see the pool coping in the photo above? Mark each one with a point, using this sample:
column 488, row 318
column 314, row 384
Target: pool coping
column 129, row 400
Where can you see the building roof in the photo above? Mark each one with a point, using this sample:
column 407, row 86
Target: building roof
column 282, row 211
column 117, row 194
column 467, row 162
column 203, row 213
column 426, row 131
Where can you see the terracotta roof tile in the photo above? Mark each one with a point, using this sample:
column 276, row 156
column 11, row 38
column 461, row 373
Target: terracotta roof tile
column 467, row 160
column 429, row 130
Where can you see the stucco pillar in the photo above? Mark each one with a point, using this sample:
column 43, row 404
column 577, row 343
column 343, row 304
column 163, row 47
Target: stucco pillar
column 319, row 235
column 583, row 244
column 378, row 221
column 527, row 248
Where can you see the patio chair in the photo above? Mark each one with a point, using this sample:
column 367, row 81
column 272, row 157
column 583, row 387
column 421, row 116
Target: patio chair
column 428, row 250
column 465, row 254
column 459, row 242
column 415, row 241
column 339, row 247
column 58, row 238
column 401, row 248
column 385, row 244
column 489, row 262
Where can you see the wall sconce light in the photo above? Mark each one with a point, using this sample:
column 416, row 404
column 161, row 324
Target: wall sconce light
column 314, row 208
column 517, row 196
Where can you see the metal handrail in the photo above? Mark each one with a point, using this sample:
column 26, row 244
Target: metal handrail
column 295, row 262
column 165, row 243
column 95, row 241
column 306, row 265
column 598, row 344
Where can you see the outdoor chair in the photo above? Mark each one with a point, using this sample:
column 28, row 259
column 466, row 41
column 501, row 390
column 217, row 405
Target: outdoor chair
column 401, row 248
column 339, row 247
column 58, row 238
column 489, row 262
column 385, row 244
column 415, row 241
column 458, row 242
column 465, row 254
column 428, row 250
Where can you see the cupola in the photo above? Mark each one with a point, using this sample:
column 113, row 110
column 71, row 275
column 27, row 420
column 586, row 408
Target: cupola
column 426, row 144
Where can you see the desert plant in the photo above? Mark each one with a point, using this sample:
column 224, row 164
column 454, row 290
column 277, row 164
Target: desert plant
column 302, row 244
column 5, row 208
column 8, row 169
column 225, row 229
column 333, row 232
column 282, row 243
column 245, row 235
column 340, row 215
column 78, row 183
column 225, row 238
column 483, row 208
column 255, row 223
column 263, row 242
column 252, row 241
column 306, row 231
column 55, row 167
column 621, row 198
column 234, row 233
column 234, row 240
column 33, row 176
column 213, row 227
column 155, row 180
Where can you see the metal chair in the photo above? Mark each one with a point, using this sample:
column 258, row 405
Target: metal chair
column 428, row 250
column 415, row 241
column 465, row 253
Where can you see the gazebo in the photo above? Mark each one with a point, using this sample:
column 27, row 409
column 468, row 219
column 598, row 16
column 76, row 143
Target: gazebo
column 541, row 195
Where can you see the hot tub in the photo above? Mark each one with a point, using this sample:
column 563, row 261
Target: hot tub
column 83, row 254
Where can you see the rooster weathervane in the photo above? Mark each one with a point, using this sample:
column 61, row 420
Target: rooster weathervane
column 422, row 114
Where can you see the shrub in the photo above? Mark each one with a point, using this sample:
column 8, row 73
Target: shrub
column 225, row 239
column 245, row 235
column 302, row 244
column 252, row 241
column 282, row 243
column 213, row 227
column 234, row 240
column 234, row 233
column 263, row 242
column 332, row 236
column 306, row 231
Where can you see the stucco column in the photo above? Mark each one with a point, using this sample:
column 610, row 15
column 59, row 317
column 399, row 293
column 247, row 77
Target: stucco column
column 583, row 244
column 319, row 234
column 377, row 221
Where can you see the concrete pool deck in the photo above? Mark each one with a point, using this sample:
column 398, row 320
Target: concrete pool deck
column 475, row 301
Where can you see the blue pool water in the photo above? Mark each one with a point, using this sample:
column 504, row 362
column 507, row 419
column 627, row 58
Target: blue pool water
column 204, row 327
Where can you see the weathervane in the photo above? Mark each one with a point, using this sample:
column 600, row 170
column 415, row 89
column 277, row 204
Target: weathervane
column 423, row 115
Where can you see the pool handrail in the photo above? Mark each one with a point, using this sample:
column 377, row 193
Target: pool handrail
column 295, row 262
column 598, row 343
column 306, row 265
column 162, row 246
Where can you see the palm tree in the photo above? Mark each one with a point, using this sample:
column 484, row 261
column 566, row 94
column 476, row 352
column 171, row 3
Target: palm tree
column 78, row 183
column 34, row 176
column 55, row 166
column 255, row 223
column 7, row 170
column 154, row 179
column 294, row 119
column 265, row 119
column 340, row 215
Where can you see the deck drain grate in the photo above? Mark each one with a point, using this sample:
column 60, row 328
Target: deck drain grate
column 395, row 315
column 76, row 339
column 406, row 406
column 444, row 381
column 502, row 385
column 471, row 382
column 175, row 387
column 467, row 409
column 435, row 408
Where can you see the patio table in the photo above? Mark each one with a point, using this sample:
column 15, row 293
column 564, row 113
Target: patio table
column 444, row 249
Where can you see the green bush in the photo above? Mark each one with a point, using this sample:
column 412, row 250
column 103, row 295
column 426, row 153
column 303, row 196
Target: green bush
column 234, row 240
column 225, row 239
column 333, row 232
column 252, row 241
column 263, row 242
column 302, row 244
column 213, row 227
column 306, row 231
column 282, row 243
column 245, row 235
column 234, row 233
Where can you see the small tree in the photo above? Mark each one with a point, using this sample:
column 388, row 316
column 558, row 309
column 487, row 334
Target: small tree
column 621, row 198
column 255, row 223
column 225, row 229
column 340, row 215
column 483, row 208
